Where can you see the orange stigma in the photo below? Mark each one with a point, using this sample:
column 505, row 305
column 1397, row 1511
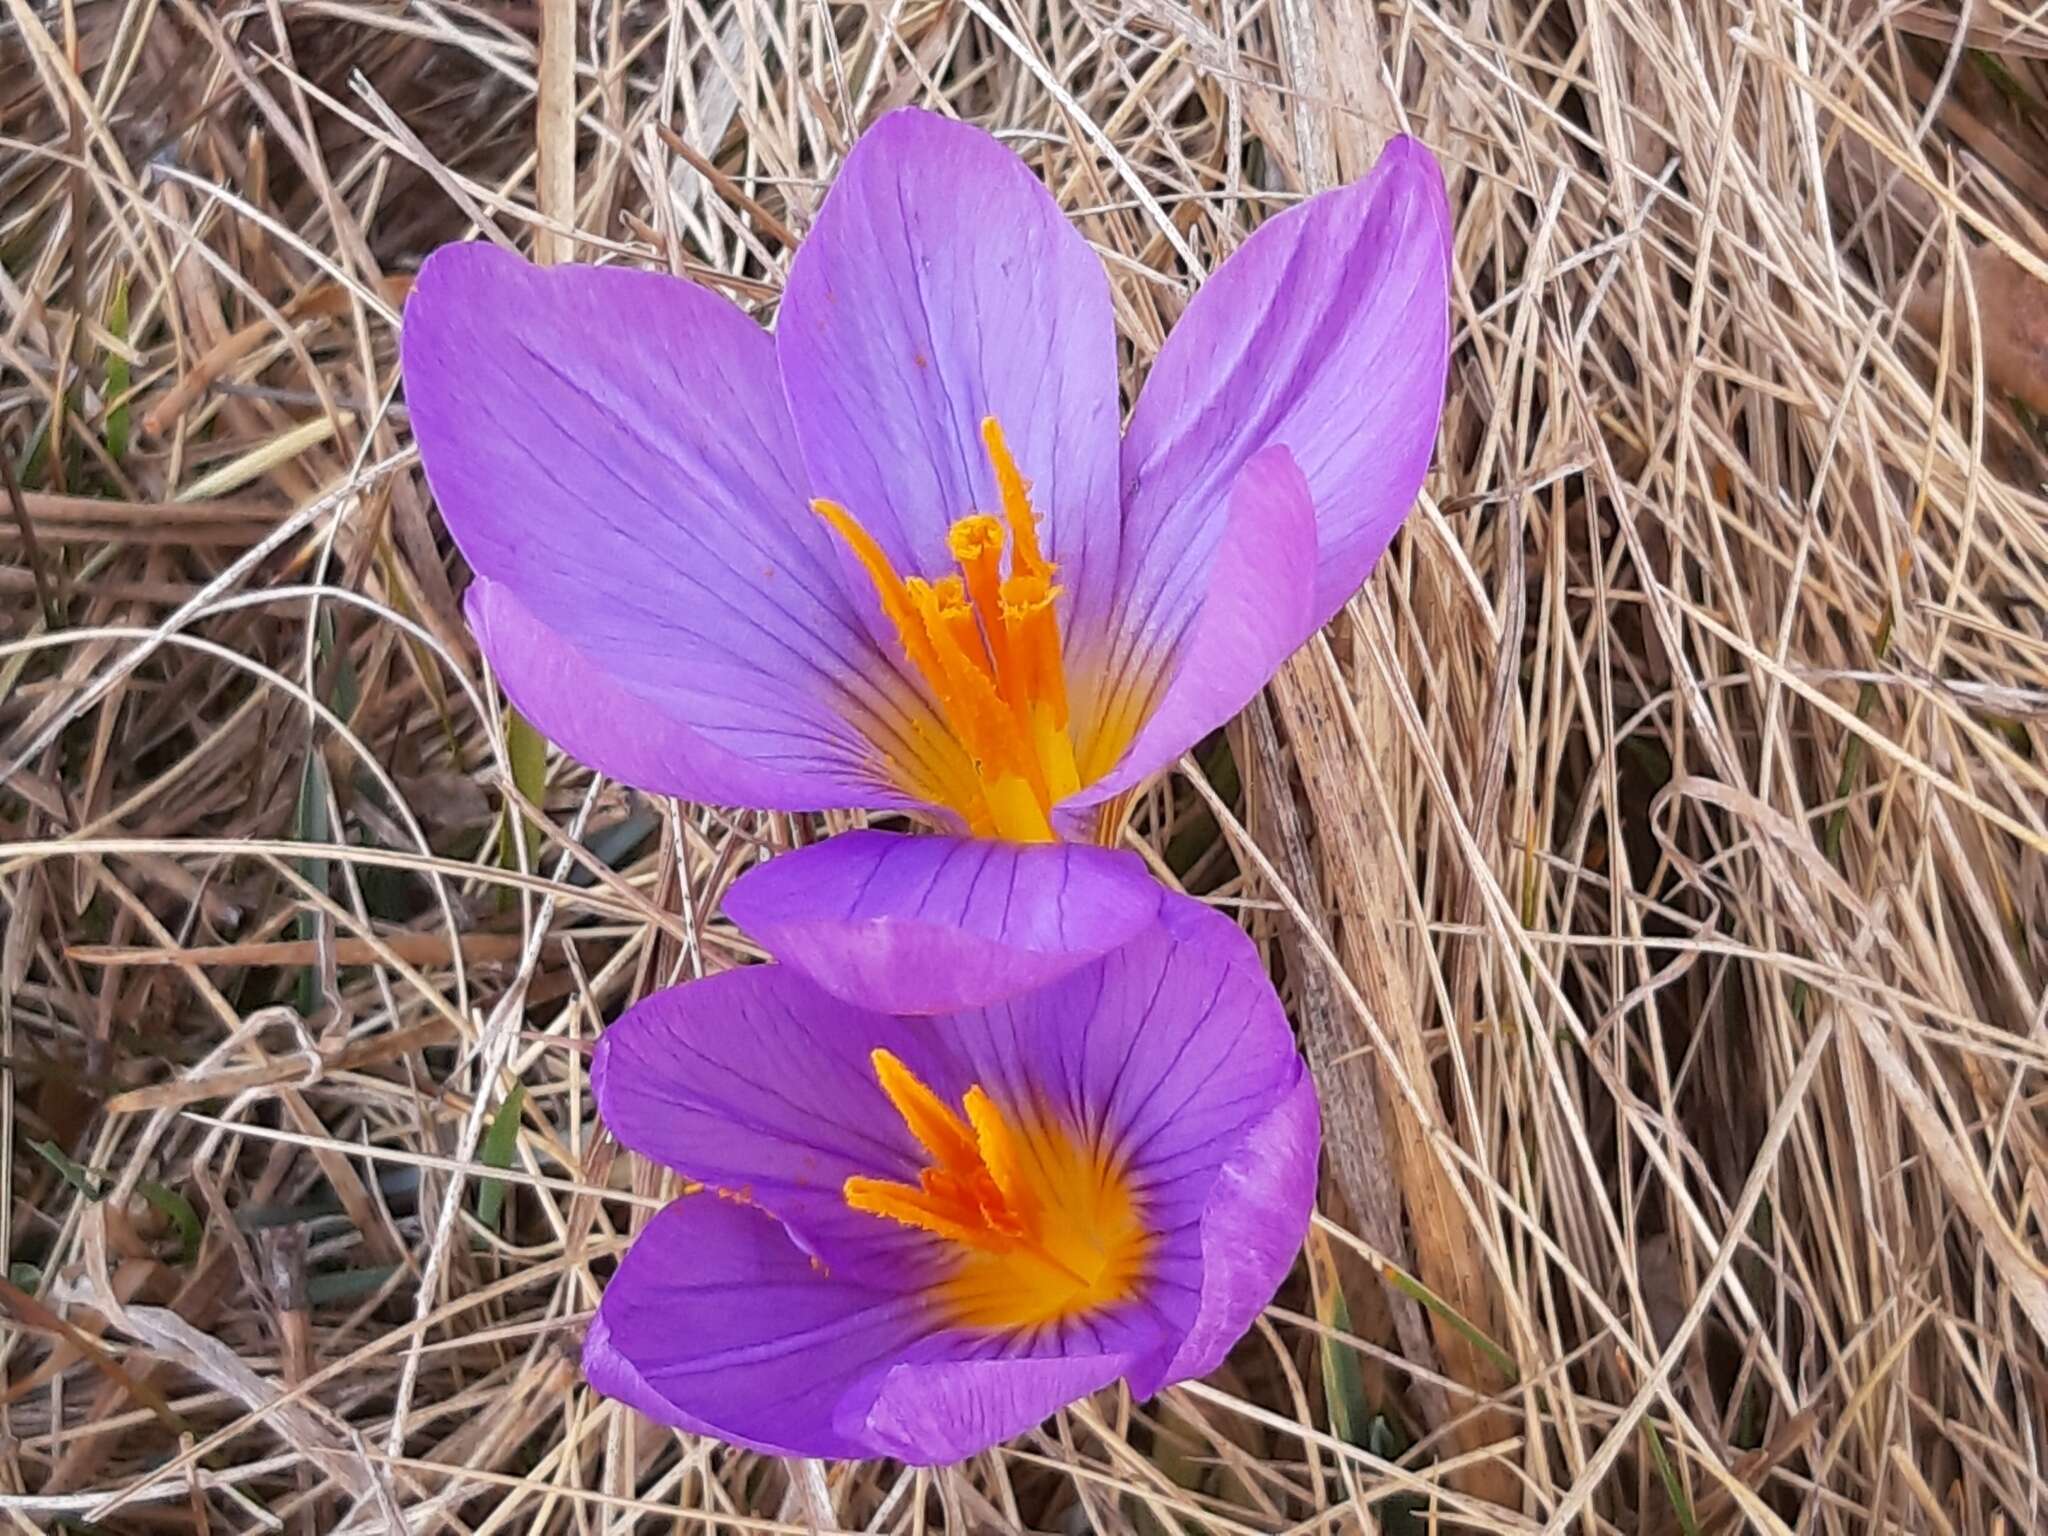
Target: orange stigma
column 987, row 644
column 1045, row 1227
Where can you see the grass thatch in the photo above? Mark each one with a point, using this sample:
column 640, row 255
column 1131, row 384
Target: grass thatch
column 1653, row 857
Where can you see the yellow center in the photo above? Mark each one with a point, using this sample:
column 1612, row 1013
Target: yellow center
column 1044, row 1226
column 987, row 644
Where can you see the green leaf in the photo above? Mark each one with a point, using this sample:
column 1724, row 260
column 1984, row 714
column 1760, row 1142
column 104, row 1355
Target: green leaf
column 255, row 1218
column 1681, row 1502
column 347, row 692
column 1407, row 1283
column 613, row 845
column 528, row 750
column 310, row 825
column 180, row 1212
column 1343, row 1381
column 400, row 1188
column 496, row 1152
column 35, row 464
column 94, row 1187
column 74, row 1173
column 346, row 1284
column 117, row 374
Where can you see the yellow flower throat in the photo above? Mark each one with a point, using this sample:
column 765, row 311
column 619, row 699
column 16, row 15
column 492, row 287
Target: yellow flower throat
column 987, row 644
column 1044, row 1227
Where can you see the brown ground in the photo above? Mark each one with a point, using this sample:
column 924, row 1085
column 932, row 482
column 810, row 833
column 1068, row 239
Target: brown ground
column 1652, row 857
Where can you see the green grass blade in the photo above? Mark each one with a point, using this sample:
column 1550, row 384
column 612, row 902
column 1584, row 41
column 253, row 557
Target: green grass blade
column 182, row 1216
column 310, row 825
column 118, row 423
column 496, row 1152
column 1681, row 1502
column 1408, row 1285
column 71, row 1171
column 528, row 750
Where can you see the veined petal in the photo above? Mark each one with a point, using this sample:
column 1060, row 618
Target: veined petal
column 1258, row 610
column 1176, row 1048
column 600, row 719
column 717, row 1324
column 1327, row 331
column 756, row 1083
column 941, row 285
column 611, row 449
column 1247, row 1241
column 1151, row 1099
column 944, row 1409
column 934, row 924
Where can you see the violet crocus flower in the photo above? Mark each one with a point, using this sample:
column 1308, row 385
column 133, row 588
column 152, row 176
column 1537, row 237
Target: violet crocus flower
column 921, row 1236
column 900, row 555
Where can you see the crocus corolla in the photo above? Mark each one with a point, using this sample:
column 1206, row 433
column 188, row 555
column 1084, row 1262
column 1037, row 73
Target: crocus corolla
column 900, row 555
column 919, row 1236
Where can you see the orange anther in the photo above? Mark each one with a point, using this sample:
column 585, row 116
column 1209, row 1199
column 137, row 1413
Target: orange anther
column 1046, row 1226
column 938, row 1130
column 1016, row 494
column 987, row 645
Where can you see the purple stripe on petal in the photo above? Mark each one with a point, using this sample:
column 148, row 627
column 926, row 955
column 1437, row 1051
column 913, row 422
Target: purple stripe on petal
column 929, row 1412
column 933, row 924
column 1327, row 331
column 1175, row 1049
column 602, row 720
column 756, row 1083
column 612, row 449
column 1251, row 1228
column 941, row 284
column 718, row 1324
column 1257, row 611
column 818, row 1337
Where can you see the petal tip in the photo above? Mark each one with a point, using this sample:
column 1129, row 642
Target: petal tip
column 452, row 273
column 901, row 125
column 1417, row 177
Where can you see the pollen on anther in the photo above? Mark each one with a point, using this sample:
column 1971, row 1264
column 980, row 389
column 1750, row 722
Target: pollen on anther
column 986, row 643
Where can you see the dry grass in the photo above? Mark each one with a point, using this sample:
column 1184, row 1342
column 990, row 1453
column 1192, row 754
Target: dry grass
column 1653, row 857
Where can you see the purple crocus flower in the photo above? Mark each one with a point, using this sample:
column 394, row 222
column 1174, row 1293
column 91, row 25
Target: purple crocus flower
column 922, row 1235
column 899, row 555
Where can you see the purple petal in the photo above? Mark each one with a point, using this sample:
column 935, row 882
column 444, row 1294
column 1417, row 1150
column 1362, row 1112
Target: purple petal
column 603, row 721
column 1327, row 331
column 937, row 1411
column 939, row 285
column 1258, row 611
column 933, row 924
column 612, row 451
column 1252, row 1227
column 759, row 1085
column 1175, row 1048
column 1172, row 1049
column 718, row 1324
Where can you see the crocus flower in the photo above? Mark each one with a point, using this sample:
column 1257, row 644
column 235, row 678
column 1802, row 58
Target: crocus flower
column 900, row 555
column 921, row 1236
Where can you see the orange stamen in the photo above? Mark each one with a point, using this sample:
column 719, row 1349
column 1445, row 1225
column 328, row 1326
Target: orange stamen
column 888, row 585
column 1046, row 1225
column 938, row 1130
column 987, row 645
column 1016, row 494
column 1001, row 1153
